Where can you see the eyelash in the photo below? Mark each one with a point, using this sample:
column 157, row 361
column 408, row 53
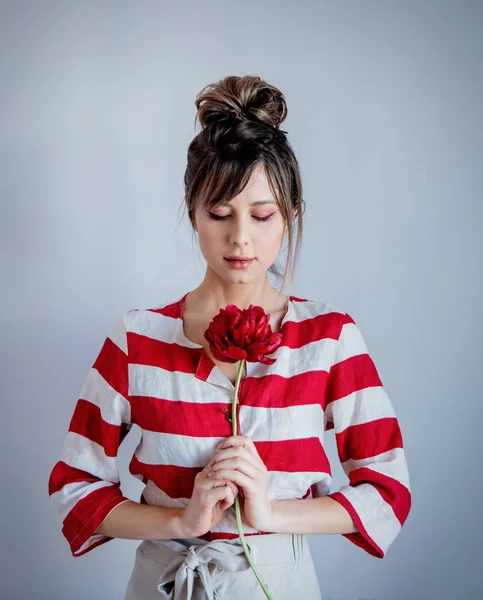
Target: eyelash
column 219, row 218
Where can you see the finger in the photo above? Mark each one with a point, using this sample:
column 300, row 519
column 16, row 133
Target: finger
column 240, row 478
column 209, row 483
column 235, row 440
column 240, row 452
column 226, row 482
column 233, row 487
column 229, row 494
column 216, row 494
column 242, row 461
column 207, row 467
column 240, row 441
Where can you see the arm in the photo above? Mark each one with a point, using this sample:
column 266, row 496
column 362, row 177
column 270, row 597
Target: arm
column 84, row 485
column 311, row 516
column 369, row 444
column 132, row 520
column 374, row 506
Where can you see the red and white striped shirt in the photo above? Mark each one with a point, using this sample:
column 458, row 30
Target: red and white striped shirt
column 150, row 374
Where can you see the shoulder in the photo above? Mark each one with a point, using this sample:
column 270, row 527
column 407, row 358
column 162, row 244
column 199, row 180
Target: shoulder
column 322, row 320
column 167, row 310
column 322, row 312
column 157, row 322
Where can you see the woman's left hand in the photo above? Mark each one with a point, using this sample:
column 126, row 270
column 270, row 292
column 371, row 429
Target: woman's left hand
column 238, row 460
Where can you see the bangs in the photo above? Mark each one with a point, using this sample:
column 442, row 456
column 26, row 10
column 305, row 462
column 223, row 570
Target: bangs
column 225, row 179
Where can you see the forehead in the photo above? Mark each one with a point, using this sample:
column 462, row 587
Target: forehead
column 257, row 191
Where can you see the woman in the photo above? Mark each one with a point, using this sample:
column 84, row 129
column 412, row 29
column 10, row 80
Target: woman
column 156, row 369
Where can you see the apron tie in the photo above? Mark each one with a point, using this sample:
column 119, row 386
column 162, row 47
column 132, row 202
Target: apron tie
column 177, row 579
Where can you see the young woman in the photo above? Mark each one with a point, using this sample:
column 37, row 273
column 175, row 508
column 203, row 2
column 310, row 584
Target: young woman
column 243, row 193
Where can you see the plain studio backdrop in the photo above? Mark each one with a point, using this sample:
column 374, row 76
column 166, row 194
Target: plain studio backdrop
column 385, row 116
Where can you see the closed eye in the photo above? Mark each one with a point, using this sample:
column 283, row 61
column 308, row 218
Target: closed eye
column 220, row 218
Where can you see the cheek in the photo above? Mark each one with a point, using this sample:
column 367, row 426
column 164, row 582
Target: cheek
column 210, row 242
column 271, row 238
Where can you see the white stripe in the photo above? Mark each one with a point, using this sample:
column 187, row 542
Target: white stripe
column 312, row 309
column 145, row 380
column 376, row 514
column 351, row 343
column 66, row 498
column 118, row 335
column 282, row 485
column 391, row 463
column 168, row 329
column 82, row 453
column 279, row 424
column 115, row 409
column 286, row 485
column 322, row 487
column 314, row 356
column 157, row 327
column 362, row 406
column 89, row 542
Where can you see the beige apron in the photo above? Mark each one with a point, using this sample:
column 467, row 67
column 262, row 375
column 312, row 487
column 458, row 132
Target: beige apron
column 193, row 569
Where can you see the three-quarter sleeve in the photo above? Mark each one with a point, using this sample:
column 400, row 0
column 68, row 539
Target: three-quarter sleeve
column 84, row 485
column 369, row 444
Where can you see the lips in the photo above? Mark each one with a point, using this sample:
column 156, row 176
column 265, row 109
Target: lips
column 237, row 262
column 238, row 258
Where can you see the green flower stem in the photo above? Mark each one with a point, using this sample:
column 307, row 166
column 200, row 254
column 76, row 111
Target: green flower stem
column 237, row 502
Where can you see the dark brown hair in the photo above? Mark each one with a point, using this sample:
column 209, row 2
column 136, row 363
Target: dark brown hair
column 240, row 119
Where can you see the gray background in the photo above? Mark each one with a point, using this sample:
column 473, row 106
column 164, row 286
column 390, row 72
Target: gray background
column 96, row 113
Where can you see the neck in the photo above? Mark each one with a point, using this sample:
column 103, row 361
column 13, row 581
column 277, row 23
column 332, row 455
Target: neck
column 213, row 294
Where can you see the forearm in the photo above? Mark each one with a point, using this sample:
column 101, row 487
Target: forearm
column 311, row 516
column 136, row 521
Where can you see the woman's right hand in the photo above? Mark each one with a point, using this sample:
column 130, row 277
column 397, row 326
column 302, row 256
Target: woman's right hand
column 208, row 504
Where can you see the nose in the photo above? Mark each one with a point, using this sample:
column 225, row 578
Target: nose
column 240, row 235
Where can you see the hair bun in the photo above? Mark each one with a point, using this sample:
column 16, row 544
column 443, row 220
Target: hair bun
column 247, row 97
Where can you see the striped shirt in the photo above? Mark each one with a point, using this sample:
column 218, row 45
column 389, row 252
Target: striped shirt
column 148, row 373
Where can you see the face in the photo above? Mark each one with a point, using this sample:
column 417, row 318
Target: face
column 249, row 226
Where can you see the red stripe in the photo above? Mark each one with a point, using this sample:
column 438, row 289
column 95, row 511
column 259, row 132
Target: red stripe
column 360, row 538
column 112, row 364
column 351, row 375
column 208, row 419
column 170, row 310
column 144, row 350
column 276, row 391
column 298, row 334
column 63, row 474
column 88, row 422
column 394, row 492
column 88, row 514
column 291, row 456
column 369, row 439
column 175, row 481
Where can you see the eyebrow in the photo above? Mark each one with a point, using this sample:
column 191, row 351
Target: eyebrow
column 259, row 202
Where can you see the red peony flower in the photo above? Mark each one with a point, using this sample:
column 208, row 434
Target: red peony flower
column 236, row 334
